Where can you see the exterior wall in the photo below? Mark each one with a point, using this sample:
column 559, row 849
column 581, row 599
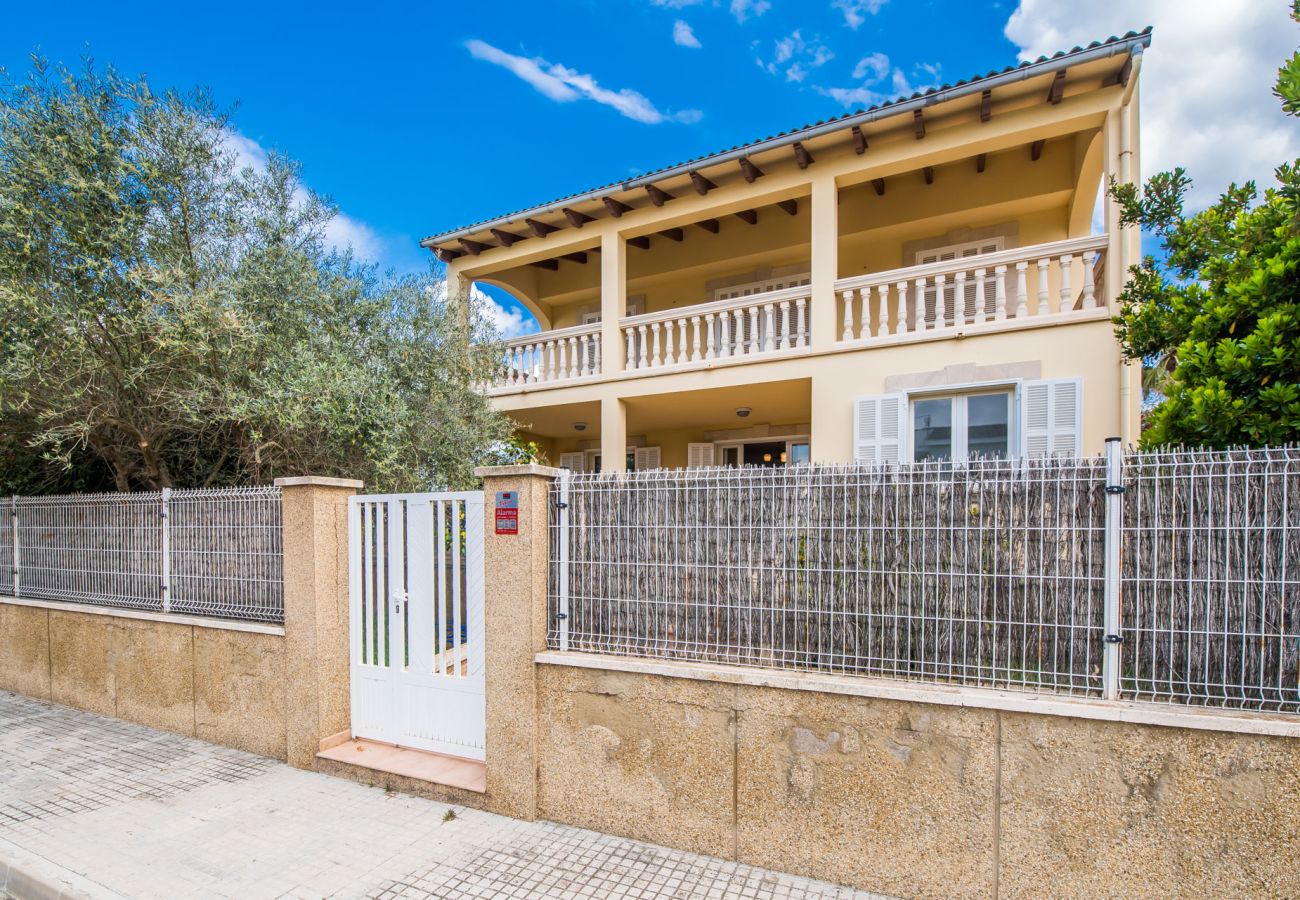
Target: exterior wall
column 916, row 799
column 208, row 682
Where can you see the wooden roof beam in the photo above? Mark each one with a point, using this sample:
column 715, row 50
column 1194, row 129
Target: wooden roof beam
column 446, row 254
column 986, row 105
column 507, row 239
column 790, row 206
column 918, row 123
column 928, row 172
column 658, row 196
column 579, row 257
column 749, row 170
column 641, row 243
column 710, row 225
column 674, row 234
column 702, row 184
column 551, row 264
column 1036, row 150
column 879, row 185
column 540, row 229
column 859, row 140
column 979, row 163
column 802, row 156
column 474, row 248
column 1057, row 91
column 577, row 219
column 615, row 207
column 1122, row 76
column 749, row 216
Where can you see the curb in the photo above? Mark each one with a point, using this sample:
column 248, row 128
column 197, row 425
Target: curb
column 26, row 876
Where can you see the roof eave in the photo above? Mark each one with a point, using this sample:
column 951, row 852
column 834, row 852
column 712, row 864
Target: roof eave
column 1131, row 43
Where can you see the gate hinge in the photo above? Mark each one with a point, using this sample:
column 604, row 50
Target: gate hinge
column 1113, row 639
column 1114, row 488
column 560, row 504
column 561, row 615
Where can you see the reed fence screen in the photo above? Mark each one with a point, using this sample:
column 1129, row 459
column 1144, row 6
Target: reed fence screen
column 200, row 552
column 989, row 573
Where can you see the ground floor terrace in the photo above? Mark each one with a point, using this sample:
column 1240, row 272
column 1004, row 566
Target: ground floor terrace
column 1058, row 390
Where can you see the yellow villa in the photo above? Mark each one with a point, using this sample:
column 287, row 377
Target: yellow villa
column 920, row 280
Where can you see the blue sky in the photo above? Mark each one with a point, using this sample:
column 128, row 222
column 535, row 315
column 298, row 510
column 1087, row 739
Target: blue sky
column 416, row 119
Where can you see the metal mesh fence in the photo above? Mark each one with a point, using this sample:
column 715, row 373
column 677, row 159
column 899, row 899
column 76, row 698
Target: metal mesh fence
column 987, row 573
column 1211, row 579
column 202, row 552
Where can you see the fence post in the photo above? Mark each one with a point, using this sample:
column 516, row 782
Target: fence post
column 1112, row 638
column 562, row 580
column 165, row 563
column 516, row 620
column 13, row 533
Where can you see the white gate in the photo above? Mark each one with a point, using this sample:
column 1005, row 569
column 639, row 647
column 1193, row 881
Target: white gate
column 416, row 593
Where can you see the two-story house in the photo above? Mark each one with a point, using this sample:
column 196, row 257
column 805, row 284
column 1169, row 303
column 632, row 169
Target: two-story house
column 923, row 279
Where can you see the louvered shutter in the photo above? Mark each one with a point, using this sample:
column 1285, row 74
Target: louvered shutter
column 699, row 455
column 878, row 424
column 646, row 458
column 1051, row 417
column 574, row 462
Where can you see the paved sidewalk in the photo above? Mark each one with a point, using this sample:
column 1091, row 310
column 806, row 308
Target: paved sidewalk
column 121, row 810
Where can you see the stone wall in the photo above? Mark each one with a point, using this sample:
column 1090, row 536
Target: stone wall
column 220, row 685
column 917, row 799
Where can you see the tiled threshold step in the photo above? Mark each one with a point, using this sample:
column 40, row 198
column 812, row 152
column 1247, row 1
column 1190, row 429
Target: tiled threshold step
column 436, row 768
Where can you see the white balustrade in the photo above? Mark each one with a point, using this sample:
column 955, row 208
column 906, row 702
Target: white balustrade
column 551, row 356
column 986, row 291
column 755, row 325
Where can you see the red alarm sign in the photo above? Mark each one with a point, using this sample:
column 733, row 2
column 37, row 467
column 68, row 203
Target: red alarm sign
column 507, row 512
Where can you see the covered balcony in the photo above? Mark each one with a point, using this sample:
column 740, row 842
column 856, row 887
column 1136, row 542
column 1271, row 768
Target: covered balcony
column 987, row 243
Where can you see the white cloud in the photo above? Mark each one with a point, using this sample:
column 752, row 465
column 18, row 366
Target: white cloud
column 342, row 231
column 795, row 56
column 877, row 64
column 565, row 85
column 856, row 11
column 744, row 9
column 1206, row 82
column 509, row 323
column 873, row 71
column 684, row 36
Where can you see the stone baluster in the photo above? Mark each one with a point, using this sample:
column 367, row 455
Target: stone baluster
column 902, row 317
column 1089, row 288
column 800, row 327
column 979, row 296
column 846, row 330
column 1043, row 307
column 1022, row 290
column 1067, row 296
column 1000, row 293
column 710, row 349
column 695, row 339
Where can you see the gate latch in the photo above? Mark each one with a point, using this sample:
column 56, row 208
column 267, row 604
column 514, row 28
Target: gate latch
column 1114, row 639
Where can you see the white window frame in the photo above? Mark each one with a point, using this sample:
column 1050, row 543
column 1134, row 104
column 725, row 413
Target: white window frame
column 960, row 423
column 1012, row 386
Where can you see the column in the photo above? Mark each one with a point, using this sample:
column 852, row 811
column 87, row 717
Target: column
column 613, row 300
column 831, row 439
column 825, row 262
column 316, row 658
column 515, row 621
column 613, row 435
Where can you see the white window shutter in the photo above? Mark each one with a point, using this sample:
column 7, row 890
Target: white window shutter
column 646, row 458
column 878, row 425
column 574, row 462
column 699, row 455
column 1051, row 418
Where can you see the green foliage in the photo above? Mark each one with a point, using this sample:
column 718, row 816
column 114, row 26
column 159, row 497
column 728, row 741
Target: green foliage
column 170, row 318
column 1221, row 313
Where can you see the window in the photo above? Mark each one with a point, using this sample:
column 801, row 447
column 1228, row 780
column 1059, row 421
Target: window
column 769, row 453
column 961, row 426
column 1032, row 419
